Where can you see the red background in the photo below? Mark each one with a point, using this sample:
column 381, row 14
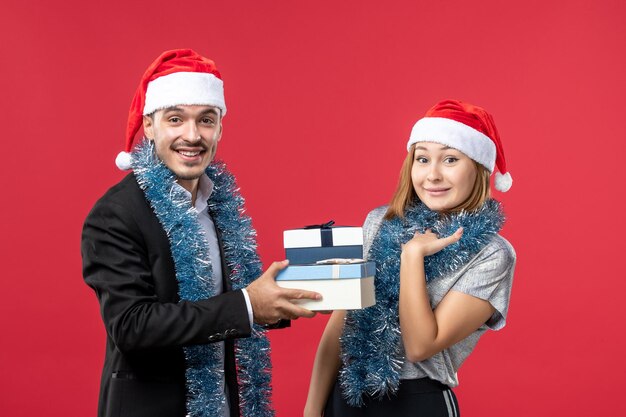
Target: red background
column 322, row 96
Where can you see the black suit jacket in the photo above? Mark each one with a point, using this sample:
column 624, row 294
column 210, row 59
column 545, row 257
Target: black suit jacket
column 128, row 263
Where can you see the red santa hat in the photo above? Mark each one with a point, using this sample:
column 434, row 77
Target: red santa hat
column 176, row 77
column 469, row 129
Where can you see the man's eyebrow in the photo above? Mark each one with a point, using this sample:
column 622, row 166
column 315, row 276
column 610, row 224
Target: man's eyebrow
column 173, row 108
column 211, row 110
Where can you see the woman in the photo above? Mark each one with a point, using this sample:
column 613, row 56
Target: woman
column 443, row 277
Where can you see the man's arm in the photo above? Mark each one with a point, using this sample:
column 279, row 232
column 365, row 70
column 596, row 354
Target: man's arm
column 116, row 266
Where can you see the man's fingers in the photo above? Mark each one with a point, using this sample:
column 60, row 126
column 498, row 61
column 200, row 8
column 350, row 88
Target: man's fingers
column 276, row 267
column 293, row 312
column 295, row 294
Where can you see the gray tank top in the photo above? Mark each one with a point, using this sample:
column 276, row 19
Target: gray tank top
column 488, row 276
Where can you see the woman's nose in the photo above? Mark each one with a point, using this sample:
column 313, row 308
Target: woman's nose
column 434, row 173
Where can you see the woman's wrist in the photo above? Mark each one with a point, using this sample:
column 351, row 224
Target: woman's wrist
column 411, row 253
column 312, row 411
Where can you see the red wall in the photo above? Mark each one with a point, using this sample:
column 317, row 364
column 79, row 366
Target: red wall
column 322, row 96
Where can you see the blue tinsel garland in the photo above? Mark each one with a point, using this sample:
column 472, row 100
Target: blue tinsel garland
column 371, row 342
column 195, row 280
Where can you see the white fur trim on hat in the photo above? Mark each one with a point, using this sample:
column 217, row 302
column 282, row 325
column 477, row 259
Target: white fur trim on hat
column 457, row 135
column 503, row 182
column 123, row 161
column 185, row 88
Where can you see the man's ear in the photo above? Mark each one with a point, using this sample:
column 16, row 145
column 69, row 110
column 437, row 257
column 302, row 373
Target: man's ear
column 218, row 135
column 148, row 125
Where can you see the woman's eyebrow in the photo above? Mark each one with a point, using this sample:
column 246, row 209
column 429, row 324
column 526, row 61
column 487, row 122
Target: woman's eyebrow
column 443, row 148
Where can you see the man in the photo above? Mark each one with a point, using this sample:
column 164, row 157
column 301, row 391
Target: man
column 173, row 261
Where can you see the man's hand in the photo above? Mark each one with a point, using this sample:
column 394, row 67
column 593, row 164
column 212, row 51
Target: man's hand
column 271, row 303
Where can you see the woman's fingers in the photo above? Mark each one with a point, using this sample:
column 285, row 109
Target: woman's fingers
column 426, row 233
column 454, row 237
column 432, row 243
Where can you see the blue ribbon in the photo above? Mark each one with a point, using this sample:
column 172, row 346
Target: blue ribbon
column 326, row 232
column 326, row 225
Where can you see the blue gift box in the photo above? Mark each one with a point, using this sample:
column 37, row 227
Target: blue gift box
column 319, row 242
column 327, row 271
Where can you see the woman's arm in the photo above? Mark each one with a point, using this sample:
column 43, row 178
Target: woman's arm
column 426, row 332
column 325, row 367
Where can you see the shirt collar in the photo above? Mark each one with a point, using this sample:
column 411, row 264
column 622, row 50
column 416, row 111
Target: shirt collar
column 205, row 189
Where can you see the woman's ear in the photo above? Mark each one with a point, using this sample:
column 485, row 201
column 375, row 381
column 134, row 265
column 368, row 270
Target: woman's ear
column 148, row 127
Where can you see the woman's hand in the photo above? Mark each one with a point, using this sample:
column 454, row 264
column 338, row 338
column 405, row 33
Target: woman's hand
column 428, row 243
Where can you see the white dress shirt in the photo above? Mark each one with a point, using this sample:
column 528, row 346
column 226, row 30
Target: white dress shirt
column 205, row 189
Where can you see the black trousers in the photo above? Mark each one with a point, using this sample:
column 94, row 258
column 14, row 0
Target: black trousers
column 422, row 397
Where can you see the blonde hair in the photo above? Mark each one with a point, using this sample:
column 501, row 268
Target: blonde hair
column 405, row 195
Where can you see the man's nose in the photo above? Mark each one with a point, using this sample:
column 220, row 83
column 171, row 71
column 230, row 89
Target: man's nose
column 191, row 133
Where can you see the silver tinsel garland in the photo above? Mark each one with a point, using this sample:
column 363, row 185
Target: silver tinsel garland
column 371, row 342
column 195, row 280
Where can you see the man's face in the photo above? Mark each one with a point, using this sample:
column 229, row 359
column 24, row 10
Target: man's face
column 185, row 138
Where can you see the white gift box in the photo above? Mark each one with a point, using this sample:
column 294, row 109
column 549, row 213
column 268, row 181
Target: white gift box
column 342, row 286
column 309, row 245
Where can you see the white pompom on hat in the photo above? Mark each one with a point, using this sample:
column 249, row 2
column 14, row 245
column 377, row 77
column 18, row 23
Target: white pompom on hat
column 469, row 129
column 176, row 77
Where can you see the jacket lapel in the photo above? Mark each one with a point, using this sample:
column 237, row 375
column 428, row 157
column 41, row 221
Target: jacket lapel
column 225, row 268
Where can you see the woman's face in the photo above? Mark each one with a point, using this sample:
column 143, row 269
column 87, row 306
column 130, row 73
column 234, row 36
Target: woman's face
column 442, row 177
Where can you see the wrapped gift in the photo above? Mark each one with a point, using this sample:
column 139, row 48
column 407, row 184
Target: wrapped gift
column 323, row 241
column 346, row 286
